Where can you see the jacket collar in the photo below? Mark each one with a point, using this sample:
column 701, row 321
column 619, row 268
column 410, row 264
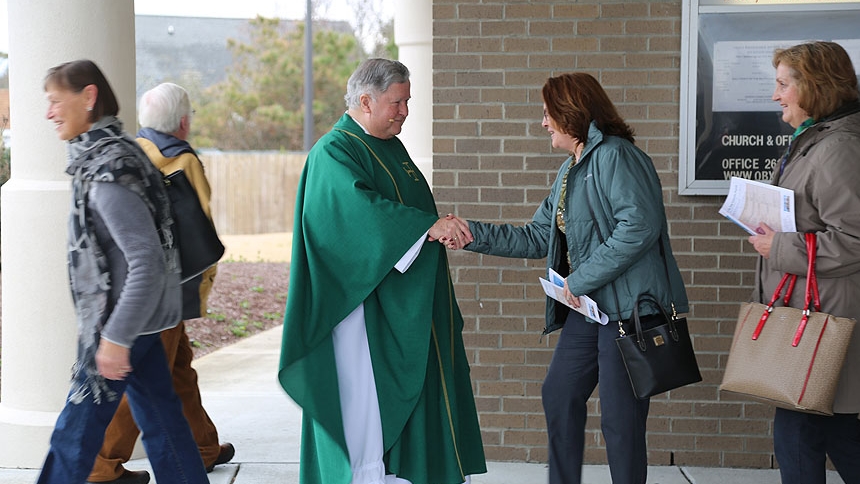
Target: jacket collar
column 170, row 146
column 595, row 137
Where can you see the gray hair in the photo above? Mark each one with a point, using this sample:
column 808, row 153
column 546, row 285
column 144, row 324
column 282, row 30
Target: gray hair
column 373, row 77
column 162, row 107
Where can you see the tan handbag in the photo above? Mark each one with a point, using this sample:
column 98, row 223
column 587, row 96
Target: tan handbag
column 786, row 356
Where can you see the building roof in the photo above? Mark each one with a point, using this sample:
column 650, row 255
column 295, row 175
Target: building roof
column 168, row 47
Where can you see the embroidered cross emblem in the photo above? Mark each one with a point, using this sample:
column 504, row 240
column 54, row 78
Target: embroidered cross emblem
column 410, row 170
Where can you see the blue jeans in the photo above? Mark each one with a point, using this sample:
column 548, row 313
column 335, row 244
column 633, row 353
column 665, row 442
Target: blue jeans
column 802, row 442
column 585, row 355
column 167, row 438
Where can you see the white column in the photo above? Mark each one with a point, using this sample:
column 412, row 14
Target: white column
column 39, row 326
column 413, row 33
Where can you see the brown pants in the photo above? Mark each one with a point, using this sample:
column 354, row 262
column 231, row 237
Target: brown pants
column 122, row 432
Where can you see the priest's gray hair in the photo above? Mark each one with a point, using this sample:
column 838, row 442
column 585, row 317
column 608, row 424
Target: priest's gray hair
column 162, row 107
column 373, row 77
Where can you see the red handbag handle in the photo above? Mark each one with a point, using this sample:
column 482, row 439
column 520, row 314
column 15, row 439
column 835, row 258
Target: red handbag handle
column 811, row 292
column 811, row 287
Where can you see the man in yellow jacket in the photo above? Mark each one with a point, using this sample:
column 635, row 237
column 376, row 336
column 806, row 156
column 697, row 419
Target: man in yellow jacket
column 165, row 119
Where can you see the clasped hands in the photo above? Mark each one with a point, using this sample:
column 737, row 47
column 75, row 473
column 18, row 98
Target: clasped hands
column 452, row 232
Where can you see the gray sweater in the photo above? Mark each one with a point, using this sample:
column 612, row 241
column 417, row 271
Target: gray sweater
column 144, row 298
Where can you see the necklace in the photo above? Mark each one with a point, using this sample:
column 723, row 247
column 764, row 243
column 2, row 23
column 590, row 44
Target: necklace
column 559, row 213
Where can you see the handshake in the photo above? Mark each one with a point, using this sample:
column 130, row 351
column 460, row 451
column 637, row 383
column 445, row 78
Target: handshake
column 452, row 232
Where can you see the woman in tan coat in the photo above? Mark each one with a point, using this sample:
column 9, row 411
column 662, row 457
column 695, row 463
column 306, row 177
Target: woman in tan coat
column 816, row 85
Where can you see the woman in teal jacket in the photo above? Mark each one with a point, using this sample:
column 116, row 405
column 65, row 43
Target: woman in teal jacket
column 603, row 224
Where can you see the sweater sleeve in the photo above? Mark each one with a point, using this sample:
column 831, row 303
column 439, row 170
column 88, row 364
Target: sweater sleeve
column 128, row 235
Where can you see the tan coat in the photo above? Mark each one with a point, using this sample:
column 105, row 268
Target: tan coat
column 823, row 169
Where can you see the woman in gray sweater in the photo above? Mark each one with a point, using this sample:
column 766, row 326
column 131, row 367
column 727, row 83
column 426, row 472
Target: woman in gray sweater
column 124, row 275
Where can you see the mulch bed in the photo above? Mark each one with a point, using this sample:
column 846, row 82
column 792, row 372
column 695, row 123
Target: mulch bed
column 247, row 298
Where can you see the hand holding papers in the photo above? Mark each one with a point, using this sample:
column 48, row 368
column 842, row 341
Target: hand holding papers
column 751, row 203
column 555, row 290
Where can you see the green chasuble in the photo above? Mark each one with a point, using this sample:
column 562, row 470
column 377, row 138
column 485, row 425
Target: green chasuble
column 361, row 205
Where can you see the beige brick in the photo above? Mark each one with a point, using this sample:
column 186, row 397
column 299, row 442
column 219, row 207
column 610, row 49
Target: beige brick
column 487, row 404
column 481, row 111
column 458, row 95
column 441, row 47
column 576, row 11
column 577, row 43
column 623, row 43
column 559, row 61
column 457, row 195
column 490, row 95
column 505, row 453
column 479, row 78
column 456, row 28
column 491, row 438
column 552, row 28
column 624, row 10
column 500, row 388
column 524, row 373
column 649, row 27
column 529, row 79
column 600, row 27
column 503, row 28
column 666, row 43
column 458, row 129
column 503, row 420
column 519, row 404
column 524, row 145
column 600, row 61
column 524, row 437
column 673, row 441
column 479, row 44
column 667, row 9
column 526, row 180
column 653, row 61
column 504, row 61
column 478, row 179
column 482, row 11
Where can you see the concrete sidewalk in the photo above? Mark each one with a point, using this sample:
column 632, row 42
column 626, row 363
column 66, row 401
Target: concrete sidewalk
column 241, row 393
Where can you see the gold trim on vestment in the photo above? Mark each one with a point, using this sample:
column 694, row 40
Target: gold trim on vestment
column 377, row 160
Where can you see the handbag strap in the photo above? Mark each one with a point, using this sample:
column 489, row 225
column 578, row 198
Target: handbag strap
column 812, row 297
column 811, row 287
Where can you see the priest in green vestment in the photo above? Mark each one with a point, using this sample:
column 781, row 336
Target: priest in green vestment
column 372, row 342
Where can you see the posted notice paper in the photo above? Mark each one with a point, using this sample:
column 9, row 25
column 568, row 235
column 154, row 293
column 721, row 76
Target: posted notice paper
column 587, row 306
column 751, row 203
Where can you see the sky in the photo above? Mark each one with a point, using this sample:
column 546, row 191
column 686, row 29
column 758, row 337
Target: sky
column 285, row 9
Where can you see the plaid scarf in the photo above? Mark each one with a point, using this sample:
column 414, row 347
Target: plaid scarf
column 105, row 154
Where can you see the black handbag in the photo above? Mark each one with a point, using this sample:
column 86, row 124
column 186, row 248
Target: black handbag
column 198, row 242
column 661, row 358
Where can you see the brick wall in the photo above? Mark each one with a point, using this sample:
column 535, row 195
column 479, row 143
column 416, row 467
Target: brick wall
column 493, row 161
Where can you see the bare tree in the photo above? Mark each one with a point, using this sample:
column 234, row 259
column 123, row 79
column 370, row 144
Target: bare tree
column 371, row 19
